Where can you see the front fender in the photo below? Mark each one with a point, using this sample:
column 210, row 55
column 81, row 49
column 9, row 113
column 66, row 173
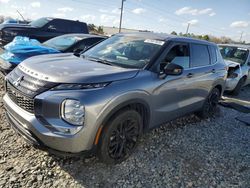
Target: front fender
column 124, row 99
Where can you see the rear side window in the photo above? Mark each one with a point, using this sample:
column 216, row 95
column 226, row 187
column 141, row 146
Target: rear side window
column 213, row 54
column 57, row 25
column 83, row 45
column 75, row 27
column 200, row 55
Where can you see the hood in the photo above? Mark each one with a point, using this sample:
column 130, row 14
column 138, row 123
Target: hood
column 14, row 25
column 231, row 63
column 67, row 68
column 22, row 48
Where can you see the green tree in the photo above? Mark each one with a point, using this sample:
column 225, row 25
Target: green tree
column 173, row 33
column 205, row 37
column 92, row 27
column 100, row 30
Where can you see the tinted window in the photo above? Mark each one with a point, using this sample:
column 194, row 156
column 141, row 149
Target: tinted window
column 75, row 27
column 213, row 54
column 58, row 25
column 179, row 55
column 200, row 55
column 83, row 45
column 40, row 22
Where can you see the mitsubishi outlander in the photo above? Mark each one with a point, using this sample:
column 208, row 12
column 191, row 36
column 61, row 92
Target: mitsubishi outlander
column 106, row 98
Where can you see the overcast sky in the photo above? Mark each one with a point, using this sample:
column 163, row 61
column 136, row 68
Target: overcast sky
column 215, row 17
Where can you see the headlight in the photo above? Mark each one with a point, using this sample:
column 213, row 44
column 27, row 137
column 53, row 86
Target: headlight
column 80, row 86
column 73, row 112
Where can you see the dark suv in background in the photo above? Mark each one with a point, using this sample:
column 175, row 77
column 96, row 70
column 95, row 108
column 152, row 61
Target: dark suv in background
column 117, row 90
column 41, row 29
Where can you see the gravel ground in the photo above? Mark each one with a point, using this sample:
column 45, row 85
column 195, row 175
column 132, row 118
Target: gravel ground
column 189, row 152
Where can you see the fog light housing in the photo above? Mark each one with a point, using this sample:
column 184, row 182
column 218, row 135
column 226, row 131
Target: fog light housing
column 73, row 112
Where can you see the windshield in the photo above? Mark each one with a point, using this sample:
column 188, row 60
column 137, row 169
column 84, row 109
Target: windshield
column 40, row 22
column 61, row 43
column 125, row 51
column 235, row 54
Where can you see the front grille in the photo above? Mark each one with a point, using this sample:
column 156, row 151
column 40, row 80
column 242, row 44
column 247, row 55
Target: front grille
column 21, row 100
column 28, row 85
column 22, row 88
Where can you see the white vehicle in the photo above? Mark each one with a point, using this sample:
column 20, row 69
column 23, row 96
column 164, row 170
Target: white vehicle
column 237, row 58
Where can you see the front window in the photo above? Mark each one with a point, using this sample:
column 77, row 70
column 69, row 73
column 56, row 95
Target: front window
column 235, row 54
column 40, row 22
column 179, row 55
column 126, row 51
column 61, row 43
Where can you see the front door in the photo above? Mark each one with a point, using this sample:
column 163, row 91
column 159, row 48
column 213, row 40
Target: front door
column 172, row 95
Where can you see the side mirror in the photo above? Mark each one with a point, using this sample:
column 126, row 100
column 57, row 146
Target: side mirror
column 77, row 52
column 170, row 69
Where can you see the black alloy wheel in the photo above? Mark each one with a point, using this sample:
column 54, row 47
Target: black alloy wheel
column 120, row 137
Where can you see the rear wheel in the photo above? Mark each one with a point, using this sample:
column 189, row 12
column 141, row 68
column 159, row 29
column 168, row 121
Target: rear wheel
column 238, row 87
column 120, row 137
column 210, row 105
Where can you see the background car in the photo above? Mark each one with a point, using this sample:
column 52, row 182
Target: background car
column 41, row 29
column 237, row 58
column 22, row 48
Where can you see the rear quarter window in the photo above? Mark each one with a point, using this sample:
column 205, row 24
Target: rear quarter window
column 213, row 54
column 78, row 27
column 200, row 55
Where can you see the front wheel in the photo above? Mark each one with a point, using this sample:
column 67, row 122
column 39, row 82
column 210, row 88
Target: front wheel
column 210, row 104
column 120, row 137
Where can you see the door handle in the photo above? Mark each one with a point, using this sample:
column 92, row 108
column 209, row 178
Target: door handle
column 190, row 75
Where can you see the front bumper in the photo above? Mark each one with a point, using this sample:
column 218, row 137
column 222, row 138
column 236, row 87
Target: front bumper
column 36, row 132
column 231, row 83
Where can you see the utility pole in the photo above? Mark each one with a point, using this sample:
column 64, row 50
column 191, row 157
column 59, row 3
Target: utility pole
column 120, row 26
column 187, row 28
column 241, row 35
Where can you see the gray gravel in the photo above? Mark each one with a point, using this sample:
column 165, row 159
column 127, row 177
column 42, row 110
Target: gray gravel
column 189, row 152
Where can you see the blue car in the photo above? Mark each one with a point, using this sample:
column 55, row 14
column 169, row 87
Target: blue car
column 22, row 48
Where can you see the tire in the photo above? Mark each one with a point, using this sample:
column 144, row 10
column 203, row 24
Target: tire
column 120, row 137
column 238, row 87
column 210, row 104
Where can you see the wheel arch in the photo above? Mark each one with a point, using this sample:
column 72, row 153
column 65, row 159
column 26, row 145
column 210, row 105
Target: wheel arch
column 139, row 105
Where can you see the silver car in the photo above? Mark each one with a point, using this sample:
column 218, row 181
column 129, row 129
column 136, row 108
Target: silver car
column 237, row 58
column 104, row 100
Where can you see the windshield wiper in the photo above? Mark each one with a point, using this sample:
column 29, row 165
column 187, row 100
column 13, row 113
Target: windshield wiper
column 103, row 61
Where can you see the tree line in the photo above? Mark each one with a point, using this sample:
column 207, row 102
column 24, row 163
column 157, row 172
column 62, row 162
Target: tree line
column 99, row 30
column 218, row 40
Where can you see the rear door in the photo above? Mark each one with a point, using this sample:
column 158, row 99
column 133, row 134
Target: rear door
column 55, row 28
column 203, row 71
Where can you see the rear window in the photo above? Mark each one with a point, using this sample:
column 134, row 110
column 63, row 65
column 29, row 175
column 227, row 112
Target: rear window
column 200, row 55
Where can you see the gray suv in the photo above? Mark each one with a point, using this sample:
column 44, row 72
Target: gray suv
column 105, row 99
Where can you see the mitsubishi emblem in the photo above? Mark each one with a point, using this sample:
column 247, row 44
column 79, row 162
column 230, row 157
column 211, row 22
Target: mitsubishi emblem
column 18, row 81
